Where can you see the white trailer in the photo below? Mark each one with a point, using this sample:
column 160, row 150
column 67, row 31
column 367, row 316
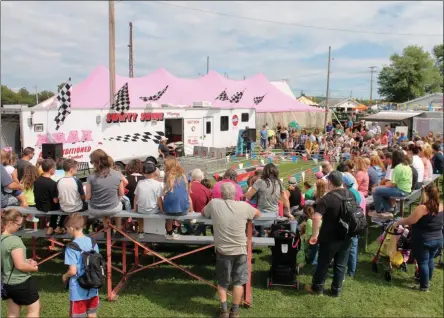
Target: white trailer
column 124, row 137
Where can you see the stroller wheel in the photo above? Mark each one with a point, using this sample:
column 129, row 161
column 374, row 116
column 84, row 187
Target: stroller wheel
column 297, row 270
column 374, row 267
column 388, row 276
column 268, row 283
column 404, row 267
column 296, row 285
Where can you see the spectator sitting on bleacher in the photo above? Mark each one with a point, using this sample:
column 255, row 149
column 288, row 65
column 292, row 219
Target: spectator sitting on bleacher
column 9, row 199
column 399, row 186
column 346, row 168
column 375, row 172
column 60, row 172
column 229, row 176
column 104, row 189
column 295, row 196
column 27, row 155
column 437, row 159
column 70, row 188
column 229, row 221
column 133, row 172
column 47, row 197
column 413, row 153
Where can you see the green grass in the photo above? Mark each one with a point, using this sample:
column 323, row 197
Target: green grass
column 167, row 292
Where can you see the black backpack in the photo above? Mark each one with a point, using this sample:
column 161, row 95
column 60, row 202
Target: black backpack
column 352, row 218
column 94, row 276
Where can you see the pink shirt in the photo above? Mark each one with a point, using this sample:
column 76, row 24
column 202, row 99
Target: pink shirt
column 363, row 182
column 218, row 195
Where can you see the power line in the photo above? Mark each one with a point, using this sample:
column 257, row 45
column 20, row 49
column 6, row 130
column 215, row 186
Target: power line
column 291, row 24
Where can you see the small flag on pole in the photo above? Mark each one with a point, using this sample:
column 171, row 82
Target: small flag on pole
column 237, row 97
column 294, row 159
column 64, row 103
column 258, row 100
column 155, row 97
column 223, row 96
column 122, row 102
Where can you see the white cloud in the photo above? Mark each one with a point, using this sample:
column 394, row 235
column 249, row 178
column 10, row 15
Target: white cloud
column 43, row 43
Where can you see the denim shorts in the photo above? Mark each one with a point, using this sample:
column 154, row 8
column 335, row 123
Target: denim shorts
column 231, row 268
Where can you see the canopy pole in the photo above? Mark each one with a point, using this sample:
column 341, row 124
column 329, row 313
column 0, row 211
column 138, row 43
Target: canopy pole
column 112, row 51
column 328, row 88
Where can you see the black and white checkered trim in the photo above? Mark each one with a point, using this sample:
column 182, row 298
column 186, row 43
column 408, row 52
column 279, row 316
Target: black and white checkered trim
column 136, row 137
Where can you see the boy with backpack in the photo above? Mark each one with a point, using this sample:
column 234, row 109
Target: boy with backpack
column 83, row 283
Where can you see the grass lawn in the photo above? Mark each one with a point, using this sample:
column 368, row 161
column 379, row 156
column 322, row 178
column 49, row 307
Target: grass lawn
column 166, row 292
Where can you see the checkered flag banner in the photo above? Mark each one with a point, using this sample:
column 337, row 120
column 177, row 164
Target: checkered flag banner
column 237, row 97
column 136, row 137
column 258, row 100
column 122, row 102
column 223, row 96
column 64, row 104
column 155, row 97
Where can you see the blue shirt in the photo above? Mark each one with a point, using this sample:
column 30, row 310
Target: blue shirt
column 329, row 128
column 176, row 201
column 264, row 134
column 401, row 139
column 72, row 257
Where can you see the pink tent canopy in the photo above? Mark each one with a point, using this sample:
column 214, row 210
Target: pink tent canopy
column 94, row 91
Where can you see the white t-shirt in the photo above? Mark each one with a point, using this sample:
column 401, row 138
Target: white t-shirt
column 70, row 189
column 9, row 169
column 419, row 166
column 147, row 192
column 389, row 173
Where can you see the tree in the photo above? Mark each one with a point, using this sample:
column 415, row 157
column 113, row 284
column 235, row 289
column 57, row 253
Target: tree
column 410, row 75
column 22, row 97
column 44, row 95
column 438, row 52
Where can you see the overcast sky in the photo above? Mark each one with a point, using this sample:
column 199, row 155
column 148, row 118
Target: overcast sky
column 45, row 42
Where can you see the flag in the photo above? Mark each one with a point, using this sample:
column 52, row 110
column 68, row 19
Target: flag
column 223, row 96
column 309, row 172
column 257, row 100
column 303, row 175
column 155, row 97
column 64, row 103
column 296, row 176
column 294, row 158
column 122, row 102
column 237, row 97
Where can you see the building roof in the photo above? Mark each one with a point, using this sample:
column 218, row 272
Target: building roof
column 333, row 102
column 438, row 95
column 392, row 116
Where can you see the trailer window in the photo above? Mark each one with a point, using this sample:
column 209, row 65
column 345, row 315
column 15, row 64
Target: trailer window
column 223, row 123
column 208, row 127
column 245, row 117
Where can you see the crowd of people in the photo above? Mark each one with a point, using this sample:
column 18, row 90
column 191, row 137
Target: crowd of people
column 384, row 167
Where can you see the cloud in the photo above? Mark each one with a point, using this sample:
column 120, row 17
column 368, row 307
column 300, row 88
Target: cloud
column 45, row 42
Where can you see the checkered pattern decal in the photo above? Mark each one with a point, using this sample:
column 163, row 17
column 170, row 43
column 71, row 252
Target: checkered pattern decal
column 236, row 97
column 136, row 137
column 64, row 103
column 155, row 97
column 122, row 103
column 223, row 96
column 258, row 100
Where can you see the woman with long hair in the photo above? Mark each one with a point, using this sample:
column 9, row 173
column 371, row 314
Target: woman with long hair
column 427, row 233
column 30, row 174
column 308, row 146
column 17, row 282
column 321, row 189
column 269, row 191
column 376, row 171
column 104, row 188
column 426, row 155
column 176, row 197
column 400, row 185
column 361, row 175
column 134, row 175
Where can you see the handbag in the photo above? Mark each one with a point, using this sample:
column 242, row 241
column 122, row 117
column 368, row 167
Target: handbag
column 4, row 293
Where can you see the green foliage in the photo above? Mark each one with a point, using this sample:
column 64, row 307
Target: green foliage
column 438, row 52
column 23, row 96
column 409, row 75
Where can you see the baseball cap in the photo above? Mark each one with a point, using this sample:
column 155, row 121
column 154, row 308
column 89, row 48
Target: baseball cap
column 148, row 167
column 335, row 177
column 292, row 180
column 420, row 143
column 319, row 175
column 411, row 143
column 348, row 181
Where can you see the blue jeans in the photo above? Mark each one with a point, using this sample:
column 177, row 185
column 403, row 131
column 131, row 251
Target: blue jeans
column 353, row 257
column 337, row 251
column 263, row 143
column 424, row 253
column 382, row 195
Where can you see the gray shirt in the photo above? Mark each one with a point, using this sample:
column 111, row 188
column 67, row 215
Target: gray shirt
column 268, row 195
column 6, row 180
column 229, row 222
column 104, row 190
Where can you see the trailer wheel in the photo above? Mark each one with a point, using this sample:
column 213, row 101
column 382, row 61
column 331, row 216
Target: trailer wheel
column 120, row 165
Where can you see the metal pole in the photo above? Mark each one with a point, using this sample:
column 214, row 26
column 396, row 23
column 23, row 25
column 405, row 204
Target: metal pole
column 208, row 64
column 131, row 61
column 372, row 70
column 36, row 95
column 112, row 49
column 328, row 88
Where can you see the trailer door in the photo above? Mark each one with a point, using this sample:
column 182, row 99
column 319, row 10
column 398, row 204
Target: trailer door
column 192, row 134
column 208, row 132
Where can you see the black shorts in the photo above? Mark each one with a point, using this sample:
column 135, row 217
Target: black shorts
column 23, row 294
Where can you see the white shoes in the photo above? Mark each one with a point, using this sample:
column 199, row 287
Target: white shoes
column 173, row 236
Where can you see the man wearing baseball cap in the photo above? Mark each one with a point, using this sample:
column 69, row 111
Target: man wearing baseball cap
column 163, row 148
column 332, row 244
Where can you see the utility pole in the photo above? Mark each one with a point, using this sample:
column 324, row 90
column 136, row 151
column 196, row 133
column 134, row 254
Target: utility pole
column 130, row 46
column 328, row 88
column 372, row 70
column 36, row 95
column 208, row 64
column 112, row 51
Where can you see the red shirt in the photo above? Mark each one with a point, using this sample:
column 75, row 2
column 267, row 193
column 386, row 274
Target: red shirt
column 384, row 140
column 200, row 195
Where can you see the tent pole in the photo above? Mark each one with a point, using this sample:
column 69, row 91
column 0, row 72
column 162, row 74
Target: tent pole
column 112, row 52
column 328, row 88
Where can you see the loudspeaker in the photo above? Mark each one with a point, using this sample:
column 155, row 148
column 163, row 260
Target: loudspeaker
column 251, row 133
column 52, row 151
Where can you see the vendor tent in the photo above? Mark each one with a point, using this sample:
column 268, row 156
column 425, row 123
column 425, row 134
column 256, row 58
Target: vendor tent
column 360, row 107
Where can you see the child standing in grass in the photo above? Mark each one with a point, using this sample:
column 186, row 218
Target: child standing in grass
column 83, row 302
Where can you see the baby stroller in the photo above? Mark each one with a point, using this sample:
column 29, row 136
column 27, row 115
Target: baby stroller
column 394, row 249
column 283, row 269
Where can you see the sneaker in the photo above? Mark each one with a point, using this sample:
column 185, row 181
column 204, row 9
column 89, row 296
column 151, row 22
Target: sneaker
column 311, row 291
column 224, row 314
column 173, row 236
column 418, row 288
column 35, row 220
column 234, row 314
column 141, row 235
